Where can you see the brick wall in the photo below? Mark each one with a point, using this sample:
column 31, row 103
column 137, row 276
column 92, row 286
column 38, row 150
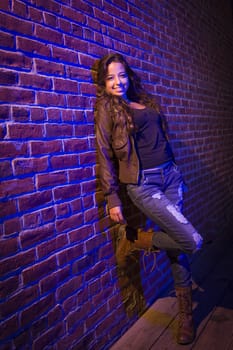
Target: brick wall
column 59, row 286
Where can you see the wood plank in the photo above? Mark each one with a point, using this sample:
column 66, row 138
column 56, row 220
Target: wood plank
column 149, row 327
column 218, row 333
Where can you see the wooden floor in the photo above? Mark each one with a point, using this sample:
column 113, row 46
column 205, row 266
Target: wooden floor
column 212, row 307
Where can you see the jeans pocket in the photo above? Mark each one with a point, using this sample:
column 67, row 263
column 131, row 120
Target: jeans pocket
column 152, row 178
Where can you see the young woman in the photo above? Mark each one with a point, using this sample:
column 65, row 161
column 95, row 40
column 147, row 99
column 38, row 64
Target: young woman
column 133, row 149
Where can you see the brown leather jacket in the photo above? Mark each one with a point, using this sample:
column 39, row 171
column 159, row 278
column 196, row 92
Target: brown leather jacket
column 117, row 155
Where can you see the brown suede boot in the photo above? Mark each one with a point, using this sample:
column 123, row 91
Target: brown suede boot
column 125, row 248
column 185, row 334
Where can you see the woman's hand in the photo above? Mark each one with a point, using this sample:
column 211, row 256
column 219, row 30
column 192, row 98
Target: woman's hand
column 116, row 215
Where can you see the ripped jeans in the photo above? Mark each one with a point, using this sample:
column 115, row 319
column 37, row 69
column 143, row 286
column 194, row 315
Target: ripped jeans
column 160, row 197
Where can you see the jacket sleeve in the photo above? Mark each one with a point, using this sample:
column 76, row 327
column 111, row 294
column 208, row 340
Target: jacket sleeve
column 107, row 161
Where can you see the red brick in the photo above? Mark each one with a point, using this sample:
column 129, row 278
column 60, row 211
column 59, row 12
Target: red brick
column 15, row 95
column 35, row 14
column 35, row 200
column 87, row 158
column 84, row 130
column 9, row 286
column 8, row 327
column 17, row 261
column 4, row 115
column 12, row 226
column 7, row 208
column 76, row 43
column 68, row 191
column 48, row 34
column 76, row 205
column 24, row 131
column 5, row 5
column 8, row 77
column 48, row 214
column 23, row 340
column 90, row 119
column 77, row 30
column 96, row 316
column 5, row 169
column 11, row 149
column 55, row 315
column 69, row 254
column 61, row 130
column 69, row 288
column 52, row 245
column 78, row 73
column 86, row 88
column 8, row 247
column 79, row 266
column 19, row 300
column 16, row 24
column 89, row 186
column 39, row 270
column 103, row 17
column 48, row 337
column 54, row 279
column 51, row 179
column 50, row 68
column 35, row 81
column 38, row 114
column 71, row 338
column 64, row 55
column 38, row 327
column 88, row 202
column 94, row 24
column 64, row 162
column 16, row 186
column 67, row 115
column 49, row 5
column 34, row 236
column 65, row 85
column 32, row 165
column 62, row 210
column 77, row 101
column 81, row 234
column 45, row 147
column 80, row 174
column 75, row 145
column 69, row 223
column 51, row 20
column 54, row 115
column 79, row 116
column 32, row 220
column 20, row 114
column 74, row 317
column 19, row 8
column 50, row 99
column 73, row 14
column 64, row 25
column 36, row 310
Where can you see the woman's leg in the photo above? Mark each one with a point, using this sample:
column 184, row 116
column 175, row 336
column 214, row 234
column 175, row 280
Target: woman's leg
column 158, row 197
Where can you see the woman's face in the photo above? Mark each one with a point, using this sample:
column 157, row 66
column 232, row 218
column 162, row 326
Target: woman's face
column 117, row 81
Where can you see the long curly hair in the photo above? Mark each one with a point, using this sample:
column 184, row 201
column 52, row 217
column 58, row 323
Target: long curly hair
column 118, row 107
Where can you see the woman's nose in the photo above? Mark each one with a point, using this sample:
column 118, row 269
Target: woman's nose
column 117, row 81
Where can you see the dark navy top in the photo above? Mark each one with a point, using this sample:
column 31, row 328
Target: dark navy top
column 152, row 146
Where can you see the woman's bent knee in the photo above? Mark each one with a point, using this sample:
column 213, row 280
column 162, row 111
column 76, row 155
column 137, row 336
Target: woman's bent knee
column 195, row 242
